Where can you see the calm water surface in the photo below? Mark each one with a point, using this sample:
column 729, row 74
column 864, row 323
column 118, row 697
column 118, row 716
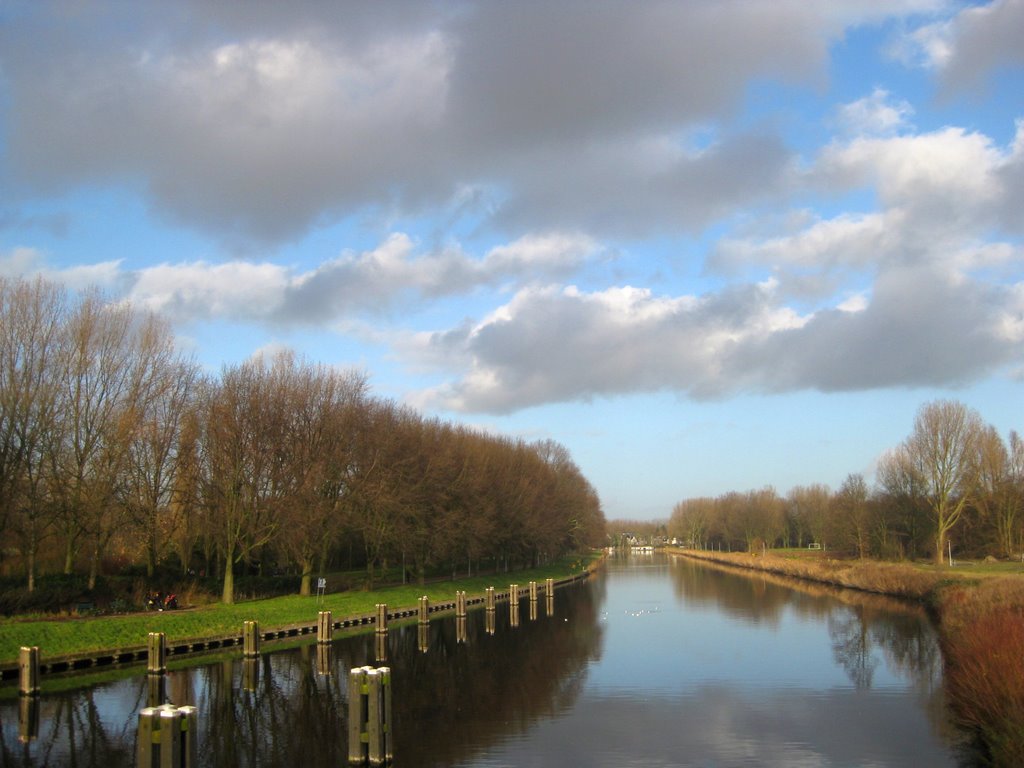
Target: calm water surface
column 659, row 661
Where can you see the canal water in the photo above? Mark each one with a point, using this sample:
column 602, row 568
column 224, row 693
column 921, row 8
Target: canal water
column 657, row 661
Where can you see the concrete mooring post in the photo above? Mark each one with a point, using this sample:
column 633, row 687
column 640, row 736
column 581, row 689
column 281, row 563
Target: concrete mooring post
column 324, row 627
column 251, row 639
column 167, row 737
column 28, row 670
column 156, row 650
column 382, row 617
column 369, row 716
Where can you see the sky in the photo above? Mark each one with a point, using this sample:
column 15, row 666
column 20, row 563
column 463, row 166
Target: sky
column 708, row 246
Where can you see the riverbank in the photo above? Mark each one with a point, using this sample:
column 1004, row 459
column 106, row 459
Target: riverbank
column 980, row 620
column 78, row 642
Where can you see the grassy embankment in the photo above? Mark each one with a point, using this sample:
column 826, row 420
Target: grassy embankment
column 979, row 610
column 60, row 637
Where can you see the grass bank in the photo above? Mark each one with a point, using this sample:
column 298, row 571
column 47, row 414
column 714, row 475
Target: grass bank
column 979, row 612
column 66, row 636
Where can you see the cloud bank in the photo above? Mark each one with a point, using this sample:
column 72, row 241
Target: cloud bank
column 625, row 130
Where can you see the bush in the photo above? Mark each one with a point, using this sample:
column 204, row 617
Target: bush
column 53, row 594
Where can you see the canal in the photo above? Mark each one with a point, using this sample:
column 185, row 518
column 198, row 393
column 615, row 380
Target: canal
column 657, row 661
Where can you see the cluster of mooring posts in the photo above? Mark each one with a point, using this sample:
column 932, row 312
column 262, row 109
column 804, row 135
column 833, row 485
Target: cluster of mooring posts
column 167, row 734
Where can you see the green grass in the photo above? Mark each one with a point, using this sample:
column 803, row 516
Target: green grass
column 81, row 635
column 970, row 567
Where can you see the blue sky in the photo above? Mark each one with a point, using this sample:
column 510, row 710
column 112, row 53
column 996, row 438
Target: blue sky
column 707, row 246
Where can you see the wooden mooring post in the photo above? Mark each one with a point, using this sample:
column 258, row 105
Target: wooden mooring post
column 369, row 716
column 167, row 737
column 28, row 670
column 549, row 587
column 489, row 622
column 424, row 610
column 250, row 674
column 324, row 627
column 156, row 690
column 156, row 652
column 460, row 603
column 324, row 659
column 489, row 598
column 251, row 639
column 513, row 594
column 28, row 718
column 382, row 617
column 533, row 591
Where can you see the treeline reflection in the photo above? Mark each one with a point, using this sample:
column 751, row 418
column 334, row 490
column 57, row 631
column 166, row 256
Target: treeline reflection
column 859, row 624
column 454, row 700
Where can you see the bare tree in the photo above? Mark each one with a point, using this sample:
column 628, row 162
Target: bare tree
column 854, row 513
column 318, row 457
column 112, row 372
column 902, row 499
column 1000, row 486
column 691, row 521
column 32, row 316
column 943, row 453
column 238, row 454
column 808, row 507
column 155, row 457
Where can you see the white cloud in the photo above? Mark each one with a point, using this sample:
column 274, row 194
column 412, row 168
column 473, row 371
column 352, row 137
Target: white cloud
column 916, row 327
column 260, row 127
column 878, row 114
column 20, row 262
column 351, row 285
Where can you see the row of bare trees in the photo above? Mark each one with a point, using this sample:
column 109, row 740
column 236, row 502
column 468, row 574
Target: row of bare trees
column 952, row 473
column 115, row 447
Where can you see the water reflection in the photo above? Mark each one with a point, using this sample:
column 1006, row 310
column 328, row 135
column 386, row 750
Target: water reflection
column 459, row 686
column 661, row 661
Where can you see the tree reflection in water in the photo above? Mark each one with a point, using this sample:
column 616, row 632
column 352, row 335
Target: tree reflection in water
column 861, row 626
column 280, row 710
column 734, row 666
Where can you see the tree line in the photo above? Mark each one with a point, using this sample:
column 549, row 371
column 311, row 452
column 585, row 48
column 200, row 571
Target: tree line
column 952, row 477
column 115, row 449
